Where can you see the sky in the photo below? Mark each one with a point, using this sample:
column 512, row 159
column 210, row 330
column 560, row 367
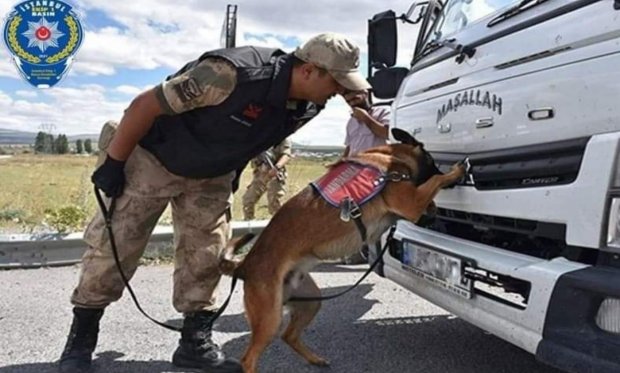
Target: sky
column 130, row 46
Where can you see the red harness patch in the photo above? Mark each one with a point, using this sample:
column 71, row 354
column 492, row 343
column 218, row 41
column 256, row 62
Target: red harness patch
column 348, row 179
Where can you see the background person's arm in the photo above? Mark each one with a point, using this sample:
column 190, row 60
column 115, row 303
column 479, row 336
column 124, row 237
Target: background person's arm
column 378, row 128
column 346, row 151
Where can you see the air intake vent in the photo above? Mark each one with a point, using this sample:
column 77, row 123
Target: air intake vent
column 526, row 167
column 442, row 84
column 530, row 58
column 529, row 228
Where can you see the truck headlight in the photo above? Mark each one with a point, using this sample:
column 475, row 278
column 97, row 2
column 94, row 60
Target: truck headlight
column 613, row 229
column 608, row 316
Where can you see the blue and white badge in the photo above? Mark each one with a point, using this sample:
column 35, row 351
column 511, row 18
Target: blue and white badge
column 43, row 36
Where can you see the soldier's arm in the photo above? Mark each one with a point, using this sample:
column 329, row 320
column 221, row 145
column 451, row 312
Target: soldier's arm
column 207, row 84
column 284, row 148
column 283, row 160
column 136, row 121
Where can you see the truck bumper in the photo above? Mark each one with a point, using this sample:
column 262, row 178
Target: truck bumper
column 558, row 322
column 571, row 339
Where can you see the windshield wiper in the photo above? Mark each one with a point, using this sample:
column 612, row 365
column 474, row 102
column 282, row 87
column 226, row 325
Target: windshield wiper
column 521, row 7
column 428, row 48
column 463, row 50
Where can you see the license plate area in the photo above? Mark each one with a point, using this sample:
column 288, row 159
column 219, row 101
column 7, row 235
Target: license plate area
column 440, row 269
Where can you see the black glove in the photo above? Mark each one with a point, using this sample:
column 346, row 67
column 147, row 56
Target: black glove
column 110, row 177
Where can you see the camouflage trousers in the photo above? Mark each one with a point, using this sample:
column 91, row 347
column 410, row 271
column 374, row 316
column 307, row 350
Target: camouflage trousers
column 201, row 218
column 261, row 183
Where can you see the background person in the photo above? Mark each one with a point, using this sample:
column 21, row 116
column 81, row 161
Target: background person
column 368, row 127
column 266, row 179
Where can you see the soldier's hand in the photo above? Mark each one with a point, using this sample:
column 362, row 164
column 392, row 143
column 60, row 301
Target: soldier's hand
column 110, row 177
column 272, row 173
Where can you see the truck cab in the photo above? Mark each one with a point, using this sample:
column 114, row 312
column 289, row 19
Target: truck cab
column 527, row 245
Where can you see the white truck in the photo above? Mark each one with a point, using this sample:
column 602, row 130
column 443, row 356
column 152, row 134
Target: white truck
column 527, row 246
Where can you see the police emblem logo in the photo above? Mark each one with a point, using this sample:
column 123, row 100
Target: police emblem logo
column 43, row 36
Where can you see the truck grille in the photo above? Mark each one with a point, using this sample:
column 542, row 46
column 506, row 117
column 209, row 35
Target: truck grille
column 524, row 227
column 531, row 166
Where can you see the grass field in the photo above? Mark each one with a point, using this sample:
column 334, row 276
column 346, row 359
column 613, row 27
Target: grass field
column 30, row 185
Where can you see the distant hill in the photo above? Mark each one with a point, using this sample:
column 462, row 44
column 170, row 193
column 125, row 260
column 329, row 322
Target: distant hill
column 14, row 137
column 93, row 137
column 318, row 148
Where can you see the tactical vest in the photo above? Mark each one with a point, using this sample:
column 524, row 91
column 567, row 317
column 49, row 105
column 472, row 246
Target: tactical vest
column 215, row 140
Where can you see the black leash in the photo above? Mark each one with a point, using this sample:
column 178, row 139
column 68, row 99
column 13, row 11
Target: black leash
column 107, row 215
column 362, row 230
column 370, row 269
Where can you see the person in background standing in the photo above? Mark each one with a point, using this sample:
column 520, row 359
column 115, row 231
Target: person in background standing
column 368, row 127
column 269, row 175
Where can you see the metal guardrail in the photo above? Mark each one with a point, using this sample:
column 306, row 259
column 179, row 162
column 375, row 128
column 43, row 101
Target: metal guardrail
column 26, row 251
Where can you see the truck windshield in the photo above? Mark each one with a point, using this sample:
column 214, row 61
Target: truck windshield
column 459, row 14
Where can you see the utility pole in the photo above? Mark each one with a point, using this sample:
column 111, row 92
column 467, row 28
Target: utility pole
column 48, row 140
column 228, row 37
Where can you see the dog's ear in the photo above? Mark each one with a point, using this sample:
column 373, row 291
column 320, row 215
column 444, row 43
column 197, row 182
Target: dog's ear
column 404, row 137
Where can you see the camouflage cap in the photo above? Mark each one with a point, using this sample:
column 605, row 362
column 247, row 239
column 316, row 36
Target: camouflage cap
column 336, row 54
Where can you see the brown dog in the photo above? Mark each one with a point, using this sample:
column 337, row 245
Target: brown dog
column 307, row 230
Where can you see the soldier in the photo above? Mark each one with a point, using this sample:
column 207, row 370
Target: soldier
column 268, row 174
column 180, row 143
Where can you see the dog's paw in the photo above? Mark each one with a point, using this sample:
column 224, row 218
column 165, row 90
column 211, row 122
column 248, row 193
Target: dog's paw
column 457, row 174
column 319, row 361
column 464, row 165
column 459, row 169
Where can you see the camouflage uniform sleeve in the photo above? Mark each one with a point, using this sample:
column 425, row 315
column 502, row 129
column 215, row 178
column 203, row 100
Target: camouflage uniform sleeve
column 283, row 148
column 207, row 84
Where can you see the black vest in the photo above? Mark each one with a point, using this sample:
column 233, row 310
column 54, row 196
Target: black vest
column 214, row 140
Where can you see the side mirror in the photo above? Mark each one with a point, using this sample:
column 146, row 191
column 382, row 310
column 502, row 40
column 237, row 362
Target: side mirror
column 385, row 82
column 382, row 39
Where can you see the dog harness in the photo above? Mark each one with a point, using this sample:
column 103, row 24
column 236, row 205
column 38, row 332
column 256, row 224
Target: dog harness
column 352, row 180
column 348, row 185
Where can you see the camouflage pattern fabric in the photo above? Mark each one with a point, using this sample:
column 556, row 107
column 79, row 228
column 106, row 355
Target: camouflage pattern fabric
column 201, row 216
column 262, row 182
column 207, row 84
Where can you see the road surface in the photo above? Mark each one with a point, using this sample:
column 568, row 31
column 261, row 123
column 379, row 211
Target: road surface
column 378, row 327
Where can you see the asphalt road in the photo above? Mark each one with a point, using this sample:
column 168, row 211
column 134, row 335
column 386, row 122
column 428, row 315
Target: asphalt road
column 378, row 327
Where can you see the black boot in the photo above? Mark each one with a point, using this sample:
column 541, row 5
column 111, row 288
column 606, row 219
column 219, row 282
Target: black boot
column 77, row 356
column 197, row 349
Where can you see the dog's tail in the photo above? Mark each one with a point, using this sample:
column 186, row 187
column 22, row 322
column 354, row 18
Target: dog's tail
column 230, row 259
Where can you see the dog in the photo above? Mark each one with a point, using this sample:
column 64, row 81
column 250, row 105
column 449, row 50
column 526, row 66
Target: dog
column 307, row 230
